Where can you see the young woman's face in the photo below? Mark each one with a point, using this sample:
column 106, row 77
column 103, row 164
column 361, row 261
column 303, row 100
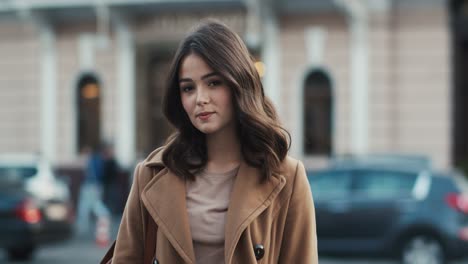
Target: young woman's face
column 206, row 98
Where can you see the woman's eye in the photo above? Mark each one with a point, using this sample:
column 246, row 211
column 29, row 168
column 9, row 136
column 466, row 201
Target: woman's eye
column 186, row 88
column 215, row 83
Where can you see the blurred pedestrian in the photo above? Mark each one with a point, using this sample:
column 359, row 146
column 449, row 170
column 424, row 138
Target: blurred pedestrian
column 110, row 173
column 90, row 198
column 222, row 189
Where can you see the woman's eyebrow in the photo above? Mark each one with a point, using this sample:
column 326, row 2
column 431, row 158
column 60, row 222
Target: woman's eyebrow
column 211, row 74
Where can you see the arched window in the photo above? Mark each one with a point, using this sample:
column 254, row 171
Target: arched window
column 317, row 114
column 89, row 91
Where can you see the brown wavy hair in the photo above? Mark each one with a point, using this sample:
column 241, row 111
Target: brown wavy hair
column 264, row 142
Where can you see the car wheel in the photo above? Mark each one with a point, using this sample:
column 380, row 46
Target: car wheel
column 21, row 253
column 422, row 250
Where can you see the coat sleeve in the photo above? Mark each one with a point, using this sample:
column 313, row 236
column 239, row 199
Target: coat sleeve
column 299, row 243
column 130, row 239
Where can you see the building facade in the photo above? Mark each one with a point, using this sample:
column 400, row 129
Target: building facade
column 347, row 77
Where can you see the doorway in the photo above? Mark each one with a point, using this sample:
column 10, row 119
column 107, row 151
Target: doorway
column 153, row 67
column 88, row 89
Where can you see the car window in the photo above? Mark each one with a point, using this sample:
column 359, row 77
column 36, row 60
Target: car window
column 382, row 184
column 444, row 184
column 16, row 174
column 332, row 184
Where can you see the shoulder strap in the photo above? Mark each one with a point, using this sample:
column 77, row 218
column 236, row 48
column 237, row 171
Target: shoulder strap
column 107, row 259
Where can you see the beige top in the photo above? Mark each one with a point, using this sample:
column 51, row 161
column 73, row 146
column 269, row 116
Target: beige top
column 207, row 204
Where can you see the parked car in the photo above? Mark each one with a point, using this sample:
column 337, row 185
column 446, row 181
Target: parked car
column 397, row 208
column 35, row 206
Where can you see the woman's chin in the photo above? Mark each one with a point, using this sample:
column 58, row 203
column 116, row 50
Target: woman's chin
column 207, row 129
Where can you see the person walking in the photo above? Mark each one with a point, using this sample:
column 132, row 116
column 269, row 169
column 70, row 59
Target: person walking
column 110, row 179
column 90, row 201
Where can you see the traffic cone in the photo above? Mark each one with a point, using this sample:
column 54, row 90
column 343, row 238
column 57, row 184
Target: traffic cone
column 102, row 231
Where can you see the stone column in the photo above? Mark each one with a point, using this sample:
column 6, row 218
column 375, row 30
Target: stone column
column 48, row 111
column 126, row 123
column 357, row 13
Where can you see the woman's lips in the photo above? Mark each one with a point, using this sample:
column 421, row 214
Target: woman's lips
column 205, row 116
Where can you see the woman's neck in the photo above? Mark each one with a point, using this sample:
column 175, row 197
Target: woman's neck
column 223, row 151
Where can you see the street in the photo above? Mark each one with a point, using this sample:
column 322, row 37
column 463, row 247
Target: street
column 76, row 251
column 79, row 251
column 83, row 249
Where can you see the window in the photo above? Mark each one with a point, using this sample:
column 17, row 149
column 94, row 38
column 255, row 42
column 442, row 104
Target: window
column 330, row 184
column 383, row 184
column 16, row 174
column 89, row 92
column 317, row 114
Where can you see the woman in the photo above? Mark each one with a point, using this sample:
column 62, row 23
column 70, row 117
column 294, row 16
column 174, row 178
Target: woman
column 222, row 190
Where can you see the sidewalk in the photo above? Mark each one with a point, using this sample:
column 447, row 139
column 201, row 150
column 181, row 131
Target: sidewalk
column 78, row 250
column 90, row 236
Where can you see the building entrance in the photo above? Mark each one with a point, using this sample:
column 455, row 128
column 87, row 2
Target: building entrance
column 153, row 129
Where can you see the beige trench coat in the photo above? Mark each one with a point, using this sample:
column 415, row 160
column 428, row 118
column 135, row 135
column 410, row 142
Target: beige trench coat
column 277, row 214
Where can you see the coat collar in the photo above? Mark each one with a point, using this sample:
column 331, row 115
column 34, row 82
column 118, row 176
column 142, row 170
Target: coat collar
column 166, row 192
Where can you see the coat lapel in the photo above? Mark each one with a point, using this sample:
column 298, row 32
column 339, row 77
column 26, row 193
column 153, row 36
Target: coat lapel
column 164, row 198
column 249, row 198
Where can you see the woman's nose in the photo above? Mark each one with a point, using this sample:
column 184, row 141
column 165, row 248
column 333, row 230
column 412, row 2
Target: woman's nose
column 203, row 96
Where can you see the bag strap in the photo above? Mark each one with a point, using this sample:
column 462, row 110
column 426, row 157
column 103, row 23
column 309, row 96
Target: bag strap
column 107, row 259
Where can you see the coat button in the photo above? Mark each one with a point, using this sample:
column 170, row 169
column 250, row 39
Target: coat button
column 155, row 261
column 259, row 251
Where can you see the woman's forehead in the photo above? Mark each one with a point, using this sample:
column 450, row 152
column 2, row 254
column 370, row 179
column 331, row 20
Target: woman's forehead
column 194, row 67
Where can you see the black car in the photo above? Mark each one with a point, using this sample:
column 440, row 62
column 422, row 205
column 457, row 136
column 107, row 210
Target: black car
column 35, row 207
column 396, row 209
